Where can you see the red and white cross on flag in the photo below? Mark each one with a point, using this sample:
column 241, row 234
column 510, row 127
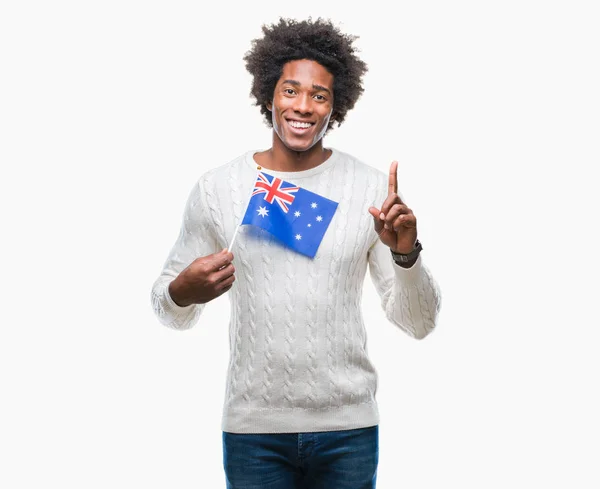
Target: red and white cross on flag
column 273, row 190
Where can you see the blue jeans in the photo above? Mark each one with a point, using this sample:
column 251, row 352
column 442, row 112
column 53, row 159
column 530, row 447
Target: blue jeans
column 317, row 460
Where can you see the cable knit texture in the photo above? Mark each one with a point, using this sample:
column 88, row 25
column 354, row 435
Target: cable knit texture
column 298, row 345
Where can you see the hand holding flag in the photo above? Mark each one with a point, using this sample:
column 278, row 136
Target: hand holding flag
column 204, row 279
column 395, row 223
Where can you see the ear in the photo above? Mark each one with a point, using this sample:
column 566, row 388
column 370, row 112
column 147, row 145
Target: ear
column 270, row 106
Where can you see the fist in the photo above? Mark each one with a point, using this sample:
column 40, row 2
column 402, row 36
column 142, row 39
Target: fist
column 205, row 279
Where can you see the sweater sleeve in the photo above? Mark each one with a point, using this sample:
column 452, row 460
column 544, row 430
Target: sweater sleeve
column 196, row 239
column 410, row 297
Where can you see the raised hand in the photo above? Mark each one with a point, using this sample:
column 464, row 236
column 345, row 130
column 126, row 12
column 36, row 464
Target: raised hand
column 204, row 279
column 395, row 223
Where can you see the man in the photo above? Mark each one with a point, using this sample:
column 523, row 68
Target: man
column 300, row 408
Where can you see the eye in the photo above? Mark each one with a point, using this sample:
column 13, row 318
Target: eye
column 289, row 91
column 320, row 98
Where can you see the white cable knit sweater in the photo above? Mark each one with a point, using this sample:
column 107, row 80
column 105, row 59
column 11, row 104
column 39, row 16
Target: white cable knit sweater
column 298, row 352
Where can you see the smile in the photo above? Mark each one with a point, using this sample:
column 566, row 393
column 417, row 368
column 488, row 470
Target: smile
column 299, row 125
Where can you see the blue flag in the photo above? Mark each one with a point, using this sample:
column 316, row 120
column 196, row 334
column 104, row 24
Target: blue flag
column 297, row 217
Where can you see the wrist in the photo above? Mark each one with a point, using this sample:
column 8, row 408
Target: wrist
column 407, row 260
column 175, row 292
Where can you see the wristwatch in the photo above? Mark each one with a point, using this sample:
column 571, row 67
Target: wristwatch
column 402, row 258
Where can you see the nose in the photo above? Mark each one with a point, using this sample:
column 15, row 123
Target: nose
column 303, row 104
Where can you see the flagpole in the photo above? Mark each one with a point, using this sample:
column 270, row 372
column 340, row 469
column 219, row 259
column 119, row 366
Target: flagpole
column 229, row 248
column 233, row 239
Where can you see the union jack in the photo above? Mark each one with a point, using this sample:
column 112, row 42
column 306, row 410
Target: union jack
column 283, row 196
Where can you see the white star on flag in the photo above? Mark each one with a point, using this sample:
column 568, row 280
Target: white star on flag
column 262, row 211
column 319, row 218
column 297, row 213
column 314, row 205
column 309, row 224
column 298, row 237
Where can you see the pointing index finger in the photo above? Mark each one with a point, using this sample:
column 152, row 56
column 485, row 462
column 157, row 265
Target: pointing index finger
column 393, row 178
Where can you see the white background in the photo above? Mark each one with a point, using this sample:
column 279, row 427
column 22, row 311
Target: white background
column 109, row 112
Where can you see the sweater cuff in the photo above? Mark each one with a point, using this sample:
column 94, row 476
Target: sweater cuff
column 409, row 276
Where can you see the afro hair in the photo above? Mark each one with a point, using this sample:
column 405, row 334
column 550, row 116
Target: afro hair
column 318, row 41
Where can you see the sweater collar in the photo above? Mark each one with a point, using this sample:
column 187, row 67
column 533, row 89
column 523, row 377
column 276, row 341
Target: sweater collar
column 294, row 175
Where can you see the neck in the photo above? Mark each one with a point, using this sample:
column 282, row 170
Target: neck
column 281, row 158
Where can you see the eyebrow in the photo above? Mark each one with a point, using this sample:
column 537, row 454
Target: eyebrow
column 316, row 87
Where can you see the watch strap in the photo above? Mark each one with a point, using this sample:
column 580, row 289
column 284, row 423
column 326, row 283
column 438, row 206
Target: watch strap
column 405, row 258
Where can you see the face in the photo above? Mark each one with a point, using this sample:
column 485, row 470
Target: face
column 302, row 104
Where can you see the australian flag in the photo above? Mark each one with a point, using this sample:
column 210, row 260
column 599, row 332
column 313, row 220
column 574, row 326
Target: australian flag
column 297, row 217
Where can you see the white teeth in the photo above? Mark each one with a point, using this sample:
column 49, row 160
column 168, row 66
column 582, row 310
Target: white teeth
column 302, row 125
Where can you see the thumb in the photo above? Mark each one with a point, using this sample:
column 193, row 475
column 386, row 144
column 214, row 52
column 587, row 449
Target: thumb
column 377, row 220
